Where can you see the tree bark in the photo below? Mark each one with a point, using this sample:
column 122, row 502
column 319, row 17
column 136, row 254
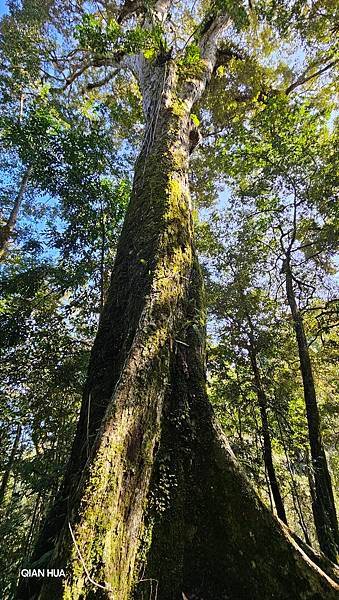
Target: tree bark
column 7, row 229
column 10, row 464
column 32, row 527
column 267, row 444
column 293, row 488
column 213, row 537
column 323, row 504
column 152, row 490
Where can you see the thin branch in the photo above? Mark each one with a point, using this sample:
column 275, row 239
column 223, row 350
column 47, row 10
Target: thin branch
column 321, row 330
column 100, row 82
column 303, row 78
column 96, row 62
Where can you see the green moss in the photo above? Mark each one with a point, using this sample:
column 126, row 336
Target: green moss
column 111, row 531
column 193, row 72
column 195, row 120
column 179, row 159
column 179, row 108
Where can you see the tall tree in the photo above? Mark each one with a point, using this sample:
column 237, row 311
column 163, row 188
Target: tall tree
column 9, row 466
column 324, row 508
column 152, row 492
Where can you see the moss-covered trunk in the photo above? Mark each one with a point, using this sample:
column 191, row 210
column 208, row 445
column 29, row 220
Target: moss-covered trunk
column 152, row 490
column 212, row 538
column 96, row 521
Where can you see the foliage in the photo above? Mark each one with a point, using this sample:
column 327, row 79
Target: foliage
column 105, row 38
column 263, row 178
column 279, row 165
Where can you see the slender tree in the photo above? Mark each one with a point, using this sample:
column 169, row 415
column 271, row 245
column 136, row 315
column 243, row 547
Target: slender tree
column 9, row 467
column 6, row 230
column 323, row 502
column 290, row 197
column 262, row 401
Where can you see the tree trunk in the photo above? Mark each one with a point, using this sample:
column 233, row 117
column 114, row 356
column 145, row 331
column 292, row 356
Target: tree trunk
column 32, row 527
column 10, row 464
column 7, row 229
column 323, row 504
column 102, row 258
column 211, row 536
column 152, row 490
column 293, row 487
column 267, row 449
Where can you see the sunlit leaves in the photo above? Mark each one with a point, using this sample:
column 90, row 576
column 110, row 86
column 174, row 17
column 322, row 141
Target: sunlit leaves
column 104, row 38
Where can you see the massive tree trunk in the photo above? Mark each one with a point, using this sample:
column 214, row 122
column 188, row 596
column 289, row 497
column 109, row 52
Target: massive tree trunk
column 323, row 504
column 153, row 494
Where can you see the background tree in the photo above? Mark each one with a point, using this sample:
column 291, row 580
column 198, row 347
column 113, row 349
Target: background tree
column 290, row 149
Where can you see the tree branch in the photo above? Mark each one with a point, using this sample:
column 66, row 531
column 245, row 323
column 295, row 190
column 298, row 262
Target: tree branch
column 208, row 44
column 129, row 8
column 100, row 82
column 161, row 9
column 212, row 32
column 304, row 78
column 301, row 80
column 116, row 61
column 138, row 7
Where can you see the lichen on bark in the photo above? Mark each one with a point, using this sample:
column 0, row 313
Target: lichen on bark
column 105, row 518
column 214, row 538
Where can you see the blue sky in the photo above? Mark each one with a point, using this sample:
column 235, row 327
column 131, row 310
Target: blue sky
column 3, row 7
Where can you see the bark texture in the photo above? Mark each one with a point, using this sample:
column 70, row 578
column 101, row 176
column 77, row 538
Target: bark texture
column 10, row 464
column 267, row 444
column 323, row 503
column 213, row 537
column 152, row 490
column 6, row 230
